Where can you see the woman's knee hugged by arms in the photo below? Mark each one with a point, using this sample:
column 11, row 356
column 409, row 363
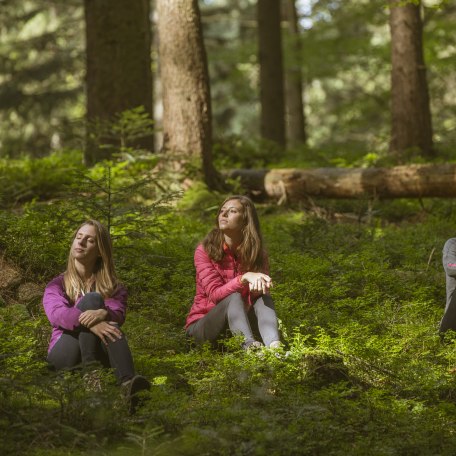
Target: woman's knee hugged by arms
column 232, row 280
column 86, row 306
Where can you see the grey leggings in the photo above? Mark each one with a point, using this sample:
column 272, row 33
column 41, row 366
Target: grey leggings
column 230, row 314
column 449, row 317
column 82, row 346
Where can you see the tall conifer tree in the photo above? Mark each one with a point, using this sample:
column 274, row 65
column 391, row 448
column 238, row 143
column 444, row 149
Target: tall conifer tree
column 118, row 37
column 411, row 116
column 295, row 119
column 187, row 123
column 272, row 125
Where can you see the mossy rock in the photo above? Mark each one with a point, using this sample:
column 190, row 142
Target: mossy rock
column 324, row 368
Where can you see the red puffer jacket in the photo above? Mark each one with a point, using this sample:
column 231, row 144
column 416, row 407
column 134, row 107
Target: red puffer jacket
column 215, row 281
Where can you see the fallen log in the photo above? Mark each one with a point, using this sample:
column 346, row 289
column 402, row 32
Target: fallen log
column 409, row 181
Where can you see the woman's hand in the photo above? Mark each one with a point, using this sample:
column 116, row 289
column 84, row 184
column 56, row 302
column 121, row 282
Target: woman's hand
column 258, row 282
column 107, row 331
column 92, row 317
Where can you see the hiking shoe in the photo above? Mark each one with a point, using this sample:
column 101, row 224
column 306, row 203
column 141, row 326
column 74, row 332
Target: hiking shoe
column 277, row 348
column 92, row 381
column 253, row 345
column 275, row 345
column 131, row 388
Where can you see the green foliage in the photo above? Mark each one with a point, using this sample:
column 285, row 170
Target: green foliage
column 41, row 76
column 199, row 197
column 37, row 239
column 236, row 152
column 122, row 135
column 32, row 178
column 363, row 371
column 121, row 195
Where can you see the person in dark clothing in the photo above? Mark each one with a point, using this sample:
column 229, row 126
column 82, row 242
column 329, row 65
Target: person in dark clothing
column 86, row 306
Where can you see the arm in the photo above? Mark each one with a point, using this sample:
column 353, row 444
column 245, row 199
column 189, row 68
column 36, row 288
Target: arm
column 60, row 312
column 116, row 305
column 114, row 311
column 449, row 257
column 259, row 282
column 211, row 280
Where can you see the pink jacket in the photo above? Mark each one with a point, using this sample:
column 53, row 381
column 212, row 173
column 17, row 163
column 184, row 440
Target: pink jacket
column 63, row 313
column 214, row 282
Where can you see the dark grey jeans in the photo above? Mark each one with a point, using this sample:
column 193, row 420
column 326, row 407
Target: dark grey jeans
column 230, row 313
column 82, row 346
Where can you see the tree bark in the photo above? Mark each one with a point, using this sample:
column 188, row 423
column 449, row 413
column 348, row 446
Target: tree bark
column 295, row 118
column 118, row 37
column 272, row 122
column 412, row 181
column 410, row 112
column 187, row 122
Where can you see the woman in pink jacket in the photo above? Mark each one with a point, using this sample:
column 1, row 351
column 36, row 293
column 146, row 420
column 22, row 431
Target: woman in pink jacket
column 86, row 306
column 232, row 280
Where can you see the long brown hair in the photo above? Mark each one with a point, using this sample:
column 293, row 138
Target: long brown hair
column 250, row 251
column 104, row 275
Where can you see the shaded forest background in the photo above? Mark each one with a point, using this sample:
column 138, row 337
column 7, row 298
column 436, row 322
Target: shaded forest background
column 344, row 59
column 133, row 113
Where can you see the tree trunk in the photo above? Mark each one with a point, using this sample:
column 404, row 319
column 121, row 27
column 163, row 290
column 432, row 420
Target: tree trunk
column 412, row 181
column 295, row 119
column 410, row 112
column 271, row 72
column 187, row 123
column 118, row 36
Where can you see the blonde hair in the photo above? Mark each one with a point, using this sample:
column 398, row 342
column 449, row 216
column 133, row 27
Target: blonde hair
column 251, row 252
column 104, row 278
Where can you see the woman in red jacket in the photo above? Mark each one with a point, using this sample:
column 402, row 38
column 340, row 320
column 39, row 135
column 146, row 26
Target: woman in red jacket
column 232, row 280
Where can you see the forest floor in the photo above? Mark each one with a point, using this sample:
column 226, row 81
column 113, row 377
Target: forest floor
column 359, row 303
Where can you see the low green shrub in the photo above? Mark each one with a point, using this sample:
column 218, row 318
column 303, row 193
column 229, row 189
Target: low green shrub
column 363, row 371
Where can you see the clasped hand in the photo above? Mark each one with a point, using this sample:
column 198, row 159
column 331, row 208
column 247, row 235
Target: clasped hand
column 107, row 331
column 89, row 318
column 95, row 321
column 258, row 282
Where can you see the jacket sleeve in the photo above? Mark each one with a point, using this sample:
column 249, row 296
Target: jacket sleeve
column 60, row 312
column 449, row 257
column 212, row 282
column 117, row 305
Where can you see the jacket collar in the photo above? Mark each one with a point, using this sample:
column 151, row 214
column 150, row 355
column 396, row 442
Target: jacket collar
column 228, row 251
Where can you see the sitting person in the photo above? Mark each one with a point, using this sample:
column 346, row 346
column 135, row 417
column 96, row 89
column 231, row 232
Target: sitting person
column 232, row 280
column 449, row 265
column 86, row 306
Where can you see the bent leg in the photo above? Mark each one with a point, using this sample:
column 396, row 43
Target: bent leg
column 449, row 317
column 88, row 341
column 266, row 317
column 118, row 352
column 91, row 301
column 66, row 353
column 228, row 312
column 120, row 359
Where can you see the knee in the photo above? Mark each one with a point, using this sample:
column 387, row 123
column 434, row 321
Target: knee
column 91, row 301
column 233, row 300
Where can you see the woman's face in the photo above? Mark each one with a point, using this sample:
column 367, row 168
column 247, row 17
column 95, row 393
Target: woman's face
column 85, row 247
column 231, row 217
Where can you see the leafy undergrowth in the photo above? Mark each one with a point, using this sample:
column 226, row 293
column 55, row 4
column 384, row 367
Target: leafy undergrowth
column 359, row 305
